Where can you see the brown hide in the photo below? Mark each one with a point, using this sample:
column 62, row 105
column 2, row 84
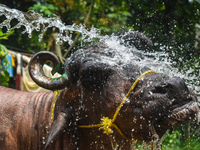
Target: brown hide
column 24, row 119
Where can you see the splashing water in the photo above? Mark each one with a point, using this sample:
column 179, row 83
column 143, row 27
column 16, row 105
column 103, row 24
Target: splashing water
column 158, row 61
column 34, row 21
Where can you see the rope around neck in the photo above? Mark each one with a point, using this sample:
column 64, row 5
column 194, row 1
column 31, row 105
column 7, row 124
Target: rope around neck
column 53, row 104
column 106, row 123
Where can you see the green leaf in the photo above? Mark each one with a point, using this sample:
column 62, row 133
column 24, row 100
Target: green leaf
column 112, row 15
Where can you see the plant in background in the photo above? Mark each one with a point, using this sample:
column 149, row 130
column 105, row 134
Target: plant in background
column 46, row 10
column 185, row 137
column 110, row 16
column 4, row 64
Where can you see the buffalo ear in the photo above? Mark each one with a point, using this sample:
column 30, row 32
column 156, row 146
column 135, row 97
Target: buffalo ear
column 58, row 126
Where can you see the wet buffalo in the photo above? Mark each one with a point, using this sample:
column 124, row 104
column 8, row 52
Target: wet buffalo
column 98, row 78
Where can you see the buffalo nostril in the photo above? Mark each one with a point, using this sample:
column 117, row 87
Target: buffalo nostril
column 163, row 89
column 177, row 83
column 170, row 85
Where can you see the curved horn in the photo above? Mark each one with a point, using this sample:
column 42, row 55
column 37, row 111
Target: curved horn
column 37, row 74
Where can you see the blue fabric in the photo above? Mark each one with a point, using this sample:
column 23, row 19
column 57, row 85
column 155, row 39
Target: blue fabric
column 10, row 69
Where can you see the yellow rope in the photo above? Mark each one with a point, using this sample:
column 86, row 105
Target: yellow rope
column 106, row 124
column 55, row 96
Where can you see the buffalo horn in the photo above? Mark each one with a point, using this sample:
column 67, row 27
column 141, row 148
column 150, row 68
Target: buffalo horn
column 37, row 74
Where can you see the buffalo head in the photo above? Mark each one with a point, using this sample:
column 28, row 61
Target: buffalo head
column 98, row 78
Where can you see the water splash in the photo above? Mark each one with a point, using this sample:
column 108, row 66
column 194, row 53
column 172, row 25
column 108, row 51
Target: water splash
column 34, row 21
column 157, row 61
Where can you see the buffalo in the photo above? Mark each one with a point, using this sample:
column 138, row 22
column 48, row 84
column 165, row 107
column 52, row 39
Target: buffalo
column 96, row 80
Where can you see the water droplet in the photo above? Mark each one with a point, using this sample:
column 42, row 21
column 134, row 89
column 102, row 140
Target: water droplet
column 140, row 126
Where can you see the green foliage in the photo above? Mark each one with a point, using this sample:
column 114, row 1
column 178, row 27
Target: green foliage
column 110, row 16
column 4, row 36
column 182, row 138
column 172, row 141
column 4, row 64
column 46, row 10
column 185, row 137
